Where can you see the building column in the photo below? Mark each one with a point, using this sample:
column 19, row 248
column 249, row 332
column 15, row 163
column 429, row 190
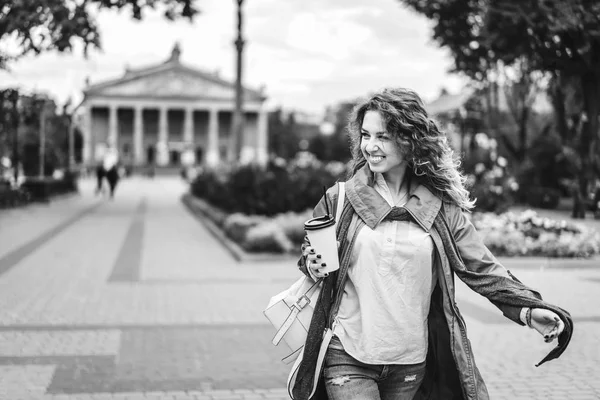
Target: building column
column 162, row 149
column 163, row 125
column 262, row 143
column 113, row 127
column 138, row 139
column 86, row 151
column 212, row 153
column 188, row 126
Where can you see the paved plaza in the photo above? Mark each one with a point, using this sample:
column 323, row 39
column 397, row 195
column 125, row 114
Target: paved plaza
column 135, row 299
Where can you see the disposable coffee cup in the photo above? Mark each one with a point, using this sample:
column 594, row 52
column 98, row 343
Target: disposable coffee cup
column 321, row 233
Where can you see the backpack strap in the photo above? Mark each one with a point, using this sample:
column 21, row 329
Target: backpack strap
column 340, row 202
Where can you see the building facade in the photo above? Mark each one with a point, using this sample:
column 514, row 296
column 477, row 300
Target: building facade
column 164, row 113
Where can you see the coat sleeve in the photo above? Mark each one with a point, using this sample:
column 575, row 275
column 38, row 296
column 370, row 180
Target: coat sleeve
column 320, row 209
column 477, row 257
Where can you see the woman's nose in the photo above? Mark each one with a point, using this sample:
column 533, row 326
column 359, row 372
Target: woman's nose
column 372, row 146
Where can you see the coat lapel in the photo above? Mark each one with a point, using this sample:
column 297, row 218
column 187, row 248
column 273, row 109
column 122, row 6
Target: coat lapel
column 372, row 208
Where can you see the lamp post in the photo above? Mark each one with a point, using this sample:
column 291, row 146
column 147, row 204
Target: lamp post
column 15, row 122
column 71, row 139
column 42, row 155
column 238, row 115
column 72, row 120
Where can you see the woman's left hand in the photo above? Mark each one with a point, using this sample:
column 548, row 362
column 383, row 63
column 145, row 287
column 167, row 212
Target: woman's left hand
column 547, row 323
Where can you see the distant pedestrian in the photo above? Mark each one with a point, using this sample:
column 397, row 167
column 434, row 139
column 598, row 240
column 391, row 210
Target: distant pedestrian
column 100, row 175
column 111, row 168
column 389, row 312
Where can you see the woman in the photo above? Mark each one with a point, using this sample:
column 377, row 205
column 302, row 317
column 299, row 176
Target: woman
column 403, row 234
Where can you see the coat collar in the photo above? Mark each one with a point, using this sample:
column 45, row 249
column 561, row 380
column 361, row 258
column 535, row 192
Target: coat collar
column 422, row 204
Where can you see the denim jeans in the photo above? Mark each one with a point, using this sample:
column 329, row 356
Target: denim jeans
column 347, row 378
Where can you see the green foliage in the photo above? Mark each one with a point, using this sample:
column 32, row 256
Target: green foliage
column 278, row 188
column 45, row 25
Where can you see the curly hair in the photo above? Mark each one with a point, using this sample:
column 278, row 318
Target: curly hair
column 425, row 147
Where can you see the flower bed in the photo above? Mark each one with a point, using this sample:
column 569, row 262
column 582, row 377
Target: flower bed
column 282, row 233
column 527, row 234
column 508, row 234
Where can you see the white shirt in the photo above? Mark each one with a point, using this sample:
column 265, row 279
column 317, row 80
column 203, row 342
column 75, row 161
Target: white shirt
column 111, row 157
column 383, row 313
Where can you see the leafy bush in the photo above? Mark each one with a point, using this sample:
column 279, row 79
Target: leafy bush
column 292, row 225
column 42, row 189
column 13, row 197
column 488, row 177
column 255, row 233
column 526, row 234
column 267, row 237
column 507, row 234
column 236, row 225
column 543, row 197
column 278, row 188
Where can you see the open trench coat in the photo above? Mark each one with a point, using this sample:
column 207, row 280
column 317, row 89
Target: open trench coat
column 451, row 372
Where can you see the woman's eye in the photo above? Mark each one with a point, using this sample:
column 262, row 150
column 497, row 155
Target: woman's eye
column 364, row 135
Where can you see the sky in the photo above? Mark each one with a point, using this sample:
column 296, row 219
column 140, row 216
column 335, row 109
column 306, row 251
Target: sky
column 309, row 54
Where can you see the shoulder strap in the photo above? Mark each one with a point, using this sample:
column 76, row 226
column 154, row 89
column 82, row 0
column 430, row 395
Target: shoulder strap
column 340, row 202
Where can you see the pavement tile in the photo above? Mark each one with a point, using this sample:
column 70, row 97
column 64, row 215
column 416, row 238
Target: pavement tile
column 184, row 320
column 24, row 381
column 19, row 343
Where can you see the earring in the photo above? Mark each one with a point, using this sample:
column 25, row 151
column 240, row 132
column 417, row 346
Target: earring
column 418, row 172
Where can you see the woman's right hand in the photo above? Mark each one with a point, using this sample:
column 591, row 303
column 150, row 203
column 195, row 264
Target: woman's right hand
column 314, row 263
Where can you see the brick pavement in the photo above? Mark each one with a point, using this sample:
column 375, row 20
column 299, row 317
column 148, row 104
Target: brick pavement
column 134, row 299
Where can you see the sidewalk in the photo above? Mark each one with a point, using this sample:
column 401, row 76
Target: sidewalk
column 137, row 300
column 18, row 225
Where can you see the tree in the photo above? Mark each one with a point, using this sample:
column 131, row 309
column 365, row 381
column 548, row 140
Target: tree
column 522, row 87
column 462, row 27
column 335, row 146
column 554, row 36
column 45, row 25
column 283, row 134
column 9, row 125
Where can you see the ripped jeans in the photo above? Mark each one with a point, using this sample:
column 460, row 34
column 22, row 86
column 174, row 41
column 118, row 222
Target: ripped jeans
column 347, row 378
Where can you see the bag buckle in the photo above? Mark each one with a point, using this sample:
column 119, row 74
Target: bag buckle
column 301, row 302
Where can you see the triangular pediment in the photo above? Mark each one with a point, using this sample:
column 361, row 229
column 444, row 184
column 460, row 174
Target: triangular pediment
column 170, row 81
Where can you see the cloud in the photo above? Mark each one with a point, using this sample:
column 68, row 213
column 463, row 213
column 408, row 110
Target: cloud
column 309, row 53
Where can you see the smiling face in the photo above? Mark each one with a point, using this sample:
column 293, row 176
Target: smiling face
column 378, row 146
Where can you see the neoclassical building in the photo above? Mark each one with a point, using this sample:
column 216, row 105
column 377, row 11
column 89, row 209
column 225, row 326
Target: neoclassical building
column 156, row 113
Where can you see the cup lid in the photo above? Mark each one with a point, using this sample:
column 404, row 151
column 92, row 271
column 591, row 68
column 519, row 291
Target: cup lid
column 319, row 222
